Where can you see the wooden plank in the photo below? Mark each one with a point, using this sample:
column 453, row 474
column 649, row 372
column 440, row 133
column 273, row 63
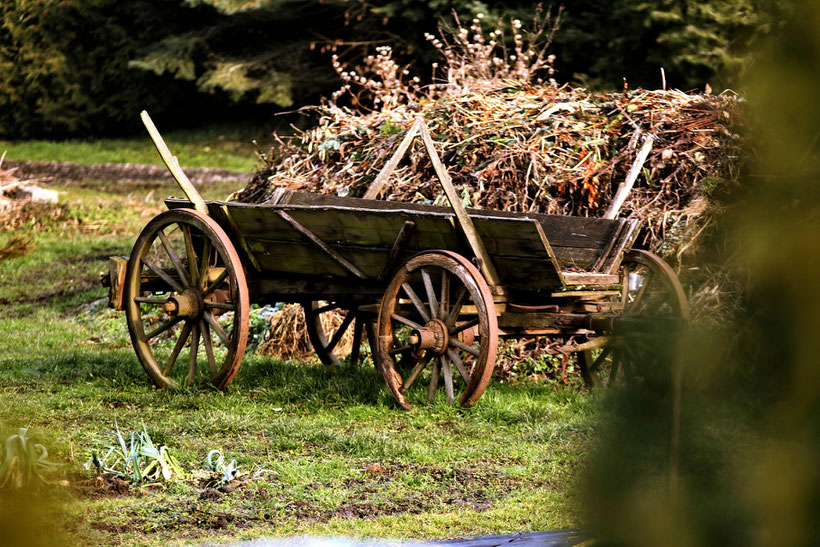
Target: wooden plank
column 599, row 264
column 613, row 261
column 323, row 246
column 300, row 289
column 584, row 278
column 561, row 230
column 390, row 166
column 507, row 236
column 299, row 258
column 626, row 186
column 575, row 257
column 224, row 213
column 399, row 246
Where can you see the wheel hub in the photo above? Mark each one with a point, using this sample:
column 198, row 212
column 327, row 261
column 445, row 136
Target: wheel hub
column 188, row 303
column 433, row 336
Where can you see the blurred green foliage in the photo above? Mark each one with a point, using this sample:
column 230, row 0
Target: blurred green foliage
column 750, row 442
column 79, row 67
column 64, row 64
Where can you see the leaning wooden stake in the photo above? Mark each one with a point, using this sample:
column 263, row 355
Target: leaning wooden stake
column 463, row 218
column 626, row 186
column 390, row 166
column 172, row 163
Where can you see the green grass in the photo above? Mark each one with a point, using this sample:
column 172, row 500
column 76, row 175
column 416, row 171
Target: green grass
column 222, row 147
column 323, row 453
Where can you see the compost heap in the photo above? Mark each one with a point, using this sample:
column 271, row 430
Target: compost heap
column 540, row 147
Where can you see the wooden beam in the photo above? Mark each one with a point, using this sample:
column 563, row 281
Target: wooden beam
column 629, row 237
column 626, row 186
column 606, row 252
column 463, row 218
column 390, row 166
column 407, row 230
column 172, row 163
column 342, row 261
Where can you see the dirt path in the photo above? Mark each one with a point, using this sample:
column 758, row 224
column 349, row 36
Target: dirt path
column 116, row 172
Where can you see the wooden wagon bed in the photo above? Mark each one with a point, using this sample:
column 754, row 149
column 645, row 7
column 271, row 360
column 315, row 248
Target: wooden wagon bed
column 301, row 235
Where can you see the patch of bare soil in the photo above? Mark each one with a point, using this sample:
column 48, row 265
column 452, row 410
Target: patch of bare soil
column 104, row 485
column 116, row 172
column 474, row 489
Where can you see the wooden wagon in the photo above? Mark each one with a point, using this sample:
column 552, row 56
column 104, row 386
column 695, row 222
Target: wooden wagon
column 431, row 289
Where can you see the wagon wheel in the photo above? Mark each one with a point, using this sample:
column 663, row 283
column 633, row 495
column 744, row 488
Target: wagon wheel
column 186, row 301
column 651, row 292
column 437, row 324
column 329, row 344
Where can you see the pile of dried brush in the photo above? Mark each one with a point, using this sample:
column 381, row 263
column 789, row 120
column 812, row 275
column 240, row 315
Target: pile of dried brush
column 287, row 338
column 515, row 140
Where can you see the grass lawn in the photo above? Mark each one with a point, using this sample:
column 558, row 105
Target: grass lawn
column 221, row 147
column 322, row 453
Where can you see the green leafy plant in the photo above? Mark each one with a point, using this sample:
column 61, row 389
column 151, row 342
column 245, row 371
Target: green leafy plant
column 223, row 474
column 22, row 462
column 138, row 460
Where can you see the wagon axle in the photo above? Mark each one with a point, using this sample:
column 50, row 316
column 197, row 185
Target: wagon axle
column 188, row 304
column 432, row 336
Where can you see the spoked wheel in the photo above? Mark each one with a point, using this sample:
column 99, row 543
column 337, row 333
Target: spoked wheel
column 437, row 325
column 186, row 301
column 655, row 304
column 333, row 342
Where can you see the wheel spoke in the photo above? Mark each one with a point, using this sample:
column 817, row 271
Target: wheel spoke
column 337, row 336
column 209, row 346
column 218, row 281
column 183, row 337
column 150, row 300
column 205, row 261
column 641, row 292
column 415, row 372
column 192, row 358
column 444, row 295
column 464, row 326
column 431, row 294
column 409, row 322
column 617, row 362
column 220, row 332
column 448, row 379
column 454, row 313
column 431, row 390
column 416, row 301
column 464, row 347
column 174, row 258
column 220, row 306
column 453, row 355
column 162, row 328
column 358, row 331
column 162, row 275
column 399, row 351
column 600, row 359
column 625, row 288
column 193, row 267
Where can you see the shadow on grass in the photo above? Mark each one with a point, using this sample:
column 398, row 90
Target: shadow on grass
column 292, row 383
